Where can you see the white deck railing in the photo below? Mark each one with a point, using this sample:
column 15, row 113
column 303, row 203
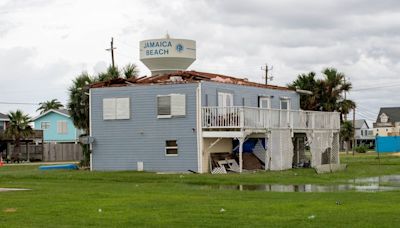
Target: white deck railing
column 258, row 118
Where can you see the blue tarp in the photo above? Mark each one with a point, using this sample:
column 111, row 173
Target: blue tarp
column 386, row 144
column 64, row 166
column 248, row 145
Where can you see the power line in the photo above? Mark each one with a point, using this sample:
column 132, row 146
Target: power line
column 375, row 87
column 366, row 109
column 18, row 103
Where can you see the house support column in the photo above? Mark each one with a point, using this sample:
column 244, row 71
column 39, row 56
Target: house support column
column 267, row 151
column 241, row 141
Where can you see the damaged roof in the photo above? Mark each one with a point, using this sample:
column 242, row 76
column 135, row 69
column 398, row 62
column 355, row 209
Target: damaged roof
column 181, row 77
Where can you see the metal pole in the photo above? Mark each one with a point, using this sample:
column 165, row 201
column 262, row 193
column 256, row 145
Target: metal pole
column 354, row 130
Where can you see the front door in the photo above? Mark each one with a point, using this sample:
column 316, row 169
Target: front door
column 263, row 103
column 225, row 111
column 285, row 113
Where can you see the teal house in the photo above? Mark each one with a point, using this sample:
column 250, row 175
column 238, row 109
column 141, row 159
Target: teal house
column 57, row 126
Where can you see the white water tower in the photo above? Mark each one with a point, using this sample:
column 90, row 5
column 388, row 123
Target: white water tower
column 167, row 55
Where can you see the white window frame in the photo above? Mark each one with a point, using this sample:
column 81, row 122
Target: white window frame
column 62, row 127
column 45, row 122
column 288, row 103
column 116, row 108
column 223, row 97
column 261, row 99
column 171, row 147
column 177, row 105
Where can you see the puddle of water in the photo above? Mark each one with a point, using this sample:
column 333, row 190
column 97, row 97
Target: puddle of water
column 12, row 189
column 371, row 184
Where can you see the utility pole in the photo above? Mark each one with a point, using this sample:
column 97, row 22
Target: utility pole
column 266, row 69
column 345, row 97
column 354, row 130
column 112, row 51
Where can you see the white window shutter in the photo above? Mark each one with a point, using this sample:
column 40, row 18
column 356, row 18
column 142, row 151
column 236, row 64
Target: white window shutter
column 109, row 109
column 123, row 110
column 178, row 104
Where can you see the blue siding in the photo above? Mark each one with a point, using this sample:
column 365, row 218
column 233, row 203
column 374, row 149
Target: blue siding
column 249, row 93
column 51, row 134
column 120, row 144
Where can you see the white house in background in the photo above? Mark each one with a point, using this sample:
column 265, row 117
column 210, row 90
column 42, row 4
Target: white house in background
column 388, row 122
column 3, row 121
column 364, row 135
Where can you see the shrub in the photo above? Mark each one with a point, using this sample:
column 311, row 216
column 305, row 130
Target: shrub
column 361, row 148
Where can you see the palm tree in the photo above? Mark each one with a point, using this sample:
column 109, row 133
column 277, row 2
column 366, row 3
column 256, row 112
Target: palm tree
column 310, row 83
column 78, row 107
column 130, row 71
column 111, row 73
column 18, row 129
column 346, row 133
column 78, row 104
column 48, row 105
column 344, row 108
column 327, row 92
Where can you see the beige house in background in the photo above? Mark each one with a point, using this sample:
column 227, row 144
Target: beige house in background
column 388, row 122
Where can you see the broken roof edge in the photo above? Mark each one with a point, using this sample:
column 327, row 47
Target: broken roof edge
column 181, row 77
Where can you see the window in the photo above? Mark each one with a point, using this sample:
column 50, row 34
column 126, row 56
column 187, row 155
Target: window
column 44, row 125
column 116, row 109
column 285, row 104
column 171, row 148
column 1, row 125
column 264, row 102
column 171, row 105
column 362, row 133
column 163, row 105
column 62, row 127
column 384, row 118
column 225, row 99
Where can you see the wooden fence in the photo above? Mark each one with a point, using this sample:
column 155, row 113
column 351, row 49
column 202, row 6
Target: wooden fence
column 62, row 152
column 49, row 152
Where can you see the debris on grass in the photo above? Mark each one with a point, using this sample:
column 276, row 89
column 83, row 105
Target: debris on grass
column 10, row 210
column 311, row 217
column 222, row 210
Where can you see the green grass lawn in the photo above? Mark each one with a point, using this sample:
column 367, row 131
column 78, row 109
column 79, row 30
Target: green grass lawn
column 132, row 199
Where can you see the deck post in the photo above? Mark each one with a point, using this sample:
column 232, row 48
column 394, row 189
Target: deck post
column 241, row 114
column 241, row 140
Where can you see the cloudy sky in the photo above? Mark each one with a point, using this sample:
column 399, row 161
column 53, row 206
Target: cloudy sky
column 44, row 44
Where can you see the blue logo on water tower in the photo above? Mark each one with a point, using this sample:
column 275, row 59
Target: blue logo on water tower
column 179, row 47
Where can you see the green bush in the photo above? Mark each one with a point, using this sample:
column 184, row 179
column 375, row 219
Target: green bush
column 361, row 148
